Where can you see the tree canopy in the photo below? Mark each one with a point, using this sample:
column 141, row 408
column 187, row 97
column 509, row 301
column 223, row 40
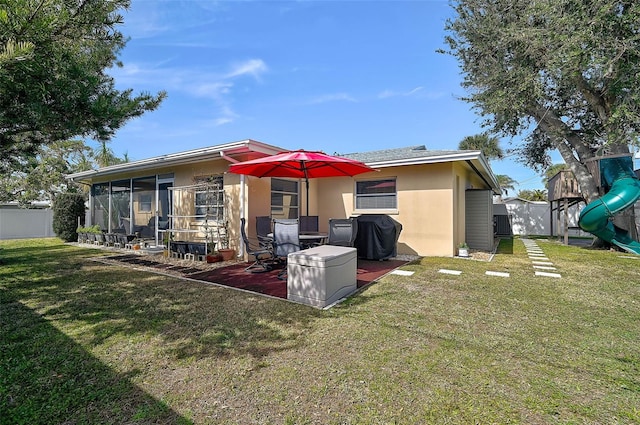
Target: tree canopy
column 54, row 86
column 562, row 73
column 533, row 194
column 506, row 183
column 489, row 145
column 42, row 177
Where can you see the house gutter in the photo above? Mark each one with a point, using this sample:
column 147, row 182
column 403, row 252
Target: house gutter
column 195, row 155
column 469, row 157
column 463, row 156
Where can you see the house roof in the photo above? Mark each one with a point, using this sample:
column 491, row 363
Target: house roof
column 248, row 149
column 243, row 150
column 417, row 155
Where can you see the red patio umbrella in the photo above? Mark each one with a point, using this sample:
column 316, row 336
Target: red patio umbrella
column 301, row 164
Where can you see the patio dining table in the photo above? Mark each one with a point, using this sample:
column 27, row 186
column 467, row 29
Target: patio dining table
column 309, row 238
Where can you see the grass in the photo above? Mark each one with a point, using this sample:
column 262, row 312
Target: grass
column 84, row 343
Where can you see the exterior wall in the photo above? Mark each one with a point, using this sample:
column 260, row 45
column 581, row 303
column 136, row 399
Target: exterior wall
column 26, row 223
column 184, row 201
column 426, row 207
column 257, row 201
column 431, row 201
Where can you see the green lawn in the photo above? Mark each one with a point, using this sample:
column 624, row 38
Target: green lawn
column 85, row 343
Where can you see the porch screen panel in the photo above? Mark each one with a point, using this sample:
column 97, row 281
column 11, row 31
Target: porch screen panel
column 144, row 206
column 121, row 206
column 100, row 205
column 284, row 198
column 164, row 205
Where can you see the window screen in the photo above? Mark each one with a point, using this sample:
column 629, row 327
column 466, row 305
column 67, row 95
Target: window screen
column 284, row 198
column 376, row 194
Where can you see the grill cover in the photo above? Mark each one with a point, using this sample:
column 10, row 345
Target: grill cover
column 377, row 237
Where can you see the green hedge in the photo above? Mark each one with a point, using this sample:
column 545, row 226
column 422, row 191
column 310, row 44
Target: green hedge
column 67, row 207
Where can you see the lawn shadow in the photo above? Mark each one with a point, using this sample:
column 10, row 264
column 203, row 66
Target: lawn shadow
column 46, row 378
column 185, row 318
column 505, row 246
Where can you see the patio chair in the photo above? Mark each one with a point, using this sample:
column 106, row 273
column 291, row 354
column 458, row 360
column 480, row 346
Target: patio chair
column 263, row 228
column 286, row 239
column 264, row 257
column 110, row 239
column 309, row 223
column 343, row 231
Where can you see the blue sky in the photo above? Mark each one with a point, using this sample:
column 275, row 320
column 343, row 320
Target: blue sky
column 336, row 76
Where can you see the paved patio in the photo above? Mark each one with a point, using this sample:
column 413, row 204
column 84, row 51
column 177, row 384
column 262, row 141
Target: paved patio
column 232, row 274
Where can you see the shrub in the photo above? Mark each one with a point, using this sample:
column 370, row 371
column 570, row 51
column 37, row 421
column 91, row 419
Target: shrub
column 67, row 207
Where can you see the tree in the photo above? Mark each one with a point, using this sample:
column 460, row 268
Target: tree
column 104, row 156
column 564, row 72
column 42, row 177
column 552, row 171
column 68, row 210
column 53, row 82
column 489, row 146
column 506, row 183
column 533, row 195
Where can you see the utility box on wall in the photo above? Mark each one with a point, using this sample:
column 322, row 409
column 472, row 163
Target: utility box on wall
column 479, row 219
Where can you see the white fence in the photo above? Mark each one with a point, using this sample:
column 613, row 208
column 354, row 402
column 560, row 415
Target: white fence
column 21, row 223
column 537, row 218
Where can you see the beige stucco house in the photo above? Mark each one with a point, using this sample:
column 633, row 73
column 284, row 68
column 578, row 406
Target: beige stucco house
column 440, row 198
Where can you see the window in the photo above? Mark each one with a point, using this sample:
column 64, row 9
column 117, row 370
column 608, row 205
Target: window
column 376, row 195
column 284, row 198
column 144, row 202
column 209, row 198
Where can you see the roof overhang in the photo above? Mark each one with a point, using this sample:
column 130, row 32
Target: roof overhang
column 476, row 161
column 232, row 152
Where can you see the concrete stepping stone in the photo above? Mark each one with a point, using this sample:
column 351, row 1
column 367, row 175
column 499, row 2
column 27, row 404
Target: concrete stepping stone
column 403, row 272
column 454, row 272
column 547, row 274
column 499, row 274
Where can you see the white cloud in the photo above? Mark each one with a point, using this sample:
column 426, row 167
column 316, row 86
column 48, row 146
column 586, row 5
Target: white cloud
column 214, row 90
column 335, row 97
column 390, row 93
column 218, row 87
column 225, row 116
column 253, row 67
column 222, row 121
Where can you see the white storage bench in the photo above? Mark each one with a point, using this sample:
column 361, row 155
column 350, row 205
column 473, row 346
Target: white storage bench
column 321, row 275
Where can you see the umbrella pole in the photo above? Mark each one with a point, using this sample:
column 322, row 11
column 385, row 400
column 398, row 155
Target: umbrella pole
column 307, row 185
column 303, row 166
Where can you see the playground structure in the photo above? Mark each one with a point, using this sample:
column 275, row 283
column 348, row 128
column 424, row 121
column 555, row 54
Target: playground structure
column 565, row 197
column 621, row 190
